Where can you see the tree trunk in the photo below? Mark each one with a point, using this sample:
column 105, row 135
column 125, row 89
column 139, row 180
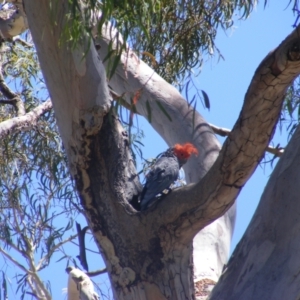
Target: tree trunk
column 266, row 264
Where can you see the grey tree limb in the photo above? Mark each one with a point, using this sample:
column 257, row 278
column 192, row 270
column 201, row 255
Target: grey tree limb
column 226, row 132
column 24, row 122
column 265, row 264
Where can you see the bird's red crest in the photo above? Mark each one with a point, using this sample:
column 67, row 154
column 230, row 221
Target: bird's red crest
column 185, row 150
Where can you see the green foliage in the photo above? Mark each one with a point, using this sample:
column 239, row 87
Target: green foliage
column 18, row 59
column 178, row 33
column 36, row 191
column 135, row 138
column 290, row 116
column 135, row 134
column 171, row 36
column 296, row 10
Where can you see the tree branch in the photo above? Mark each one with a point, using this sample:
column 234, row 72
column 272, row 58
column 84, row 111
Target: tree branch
column 22, row 42
column 81, row 242
column 15, row 262
column 226, row 132
column 76, row 80
column 245, row 146
column 25, row 122
column 52, row 250
column 271, row 241
column 97, row 272
column 187, row 125
column 37, row 280
column 243, row 149
column 12, row 97
column 34, row 290
column 217, row 130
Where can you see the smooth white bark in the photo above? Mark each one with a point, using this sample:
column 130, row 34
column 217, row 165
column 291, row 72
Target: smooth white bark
column 69, row 73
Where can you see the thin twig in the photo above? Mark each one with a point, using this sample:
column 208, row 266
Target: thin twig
column 22, row 42
column 225, row 132
column 15, row 262
column 47, row 256
column 13, row 98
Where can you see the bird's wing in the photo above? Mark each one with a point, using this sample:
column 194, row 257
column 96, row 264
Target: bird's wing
column 163, row 174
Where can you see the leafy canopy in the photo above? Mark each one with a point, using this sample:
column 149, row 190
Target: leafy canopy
column 171, row 36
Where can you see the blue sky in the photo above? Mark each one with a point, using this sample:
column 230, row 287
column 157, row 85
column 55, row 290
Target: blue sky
column 225, row 82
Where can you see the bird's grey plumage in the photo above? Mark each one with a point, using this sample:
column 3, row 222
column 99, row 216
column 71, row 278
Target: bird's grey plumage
column 80, row 286
column 163, row 173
